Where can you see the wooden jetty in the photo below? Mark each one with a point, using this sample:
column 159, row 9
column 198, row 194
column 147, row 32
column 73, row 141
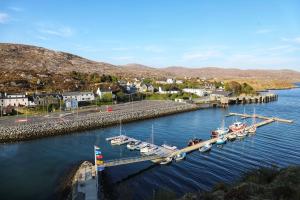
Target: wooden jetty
column 159, row 157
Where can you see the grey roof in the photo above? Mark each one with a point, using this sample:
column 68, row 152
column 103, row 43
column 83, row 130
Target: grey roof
column 76, row 93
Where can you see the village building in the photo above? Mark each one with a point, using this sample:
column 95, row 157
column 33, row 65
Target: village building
column 196, row 91
column 146, row 88
column 79, row 96
column 217, row 95
column 13, row 100
column 160, row 91
column 45, row 99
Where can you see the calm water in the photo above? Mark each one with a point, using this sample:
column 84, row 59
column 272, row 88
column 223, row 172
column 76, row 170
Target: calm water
column 32, row 169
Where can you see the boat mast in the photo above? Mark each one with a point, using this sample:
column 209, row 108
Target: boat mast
column 120, row 127
column 152, row 136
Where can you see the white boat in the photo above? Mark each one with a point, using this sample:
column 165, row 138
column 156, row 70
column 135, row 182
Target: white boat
column 166, row 160
column 180, row 156
column 173, row 148
column 119, row 140
column 252, row 129
column 206, row 147
column 133, row 144
column 220, row 132
column 148, row 148
column 141, row 145
column 152, row 150
column 241, row 134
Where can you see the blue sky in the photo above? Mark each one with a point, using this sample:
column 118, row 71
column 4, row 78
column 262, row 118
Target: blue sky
column 192, row 33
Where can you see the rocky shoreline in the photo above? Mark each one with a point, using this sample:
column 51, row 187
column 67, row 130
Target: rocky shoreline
column 91, row 121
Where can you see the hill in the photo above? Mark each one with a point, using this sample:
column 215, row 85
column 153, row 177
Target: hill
column 22, row 66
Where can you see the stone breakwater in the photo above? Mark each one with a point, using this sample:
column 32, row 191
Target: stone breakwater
column 150, row 109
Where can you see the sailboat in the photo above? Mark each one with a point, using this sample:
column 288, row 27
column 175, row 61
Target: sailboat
column 120, row 139
column 252, row 129
column 150, row 148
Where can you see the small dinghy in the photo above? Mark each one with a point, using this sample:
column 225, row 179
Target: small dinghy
column 205, row 148
column 221, row 141
column 166, row 160
column 180, row 156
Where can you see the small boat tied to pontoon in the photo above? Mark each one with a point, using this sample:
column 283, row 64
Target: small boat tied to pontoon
column 220, row 132
column 207, row 147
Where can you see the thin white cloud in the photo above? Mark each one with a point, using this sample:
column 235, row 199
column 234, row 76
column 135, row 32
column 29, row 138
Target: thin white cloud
column 41, row 37
column 263, row 31
column 16, row 9
column 4, row 17
column 60, row 31
column 201, row 56
column 295, row 40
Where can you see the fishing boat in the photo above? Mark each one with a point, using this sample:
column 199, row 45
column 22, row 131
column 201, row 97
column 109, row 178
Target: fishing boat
column 221, row 141
column 220, row 132
column 133, row 144
column 206, row 147
column 237, row 126
column 180, row 156
column 194, row 141
column 166, row 160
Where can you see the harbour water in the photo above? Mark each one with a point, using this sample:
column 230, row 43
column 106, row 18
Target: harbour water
column 33, row 169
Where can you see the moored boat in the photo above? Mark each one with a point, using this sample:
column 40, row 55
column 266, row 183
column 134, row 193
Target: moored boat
column 133, row 144
column 180, row 156
column 231, row 137
column 237, row 126
column 252, row 129
column 119, row 140
column 221, row 141
column 166, row 160
column 220, row 132
column 241, row 134
column 206, row 147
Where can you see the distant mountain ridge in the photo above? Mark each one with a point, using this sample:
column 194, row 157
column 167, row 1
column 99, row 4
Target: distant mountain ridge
column 27, row 57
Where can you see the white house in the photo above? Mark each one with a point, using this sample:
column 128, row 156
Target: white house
column 170, row 81
column 79, row 96
column 160, row 91
column 179, row 81
column 15, row 100
column 101, row 92
column 198, row 92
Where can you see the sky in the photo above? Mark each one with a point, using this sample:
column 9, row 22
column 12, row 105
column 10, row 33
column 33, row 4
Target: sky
column 256, row 34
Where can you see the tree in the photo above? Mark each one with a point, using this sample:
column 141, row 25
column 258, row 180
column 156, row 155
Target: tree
column 107, row 97
column 234, row 87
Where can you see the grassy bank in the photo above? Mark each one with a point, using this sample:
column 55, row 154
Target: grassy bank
column 264, row 183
